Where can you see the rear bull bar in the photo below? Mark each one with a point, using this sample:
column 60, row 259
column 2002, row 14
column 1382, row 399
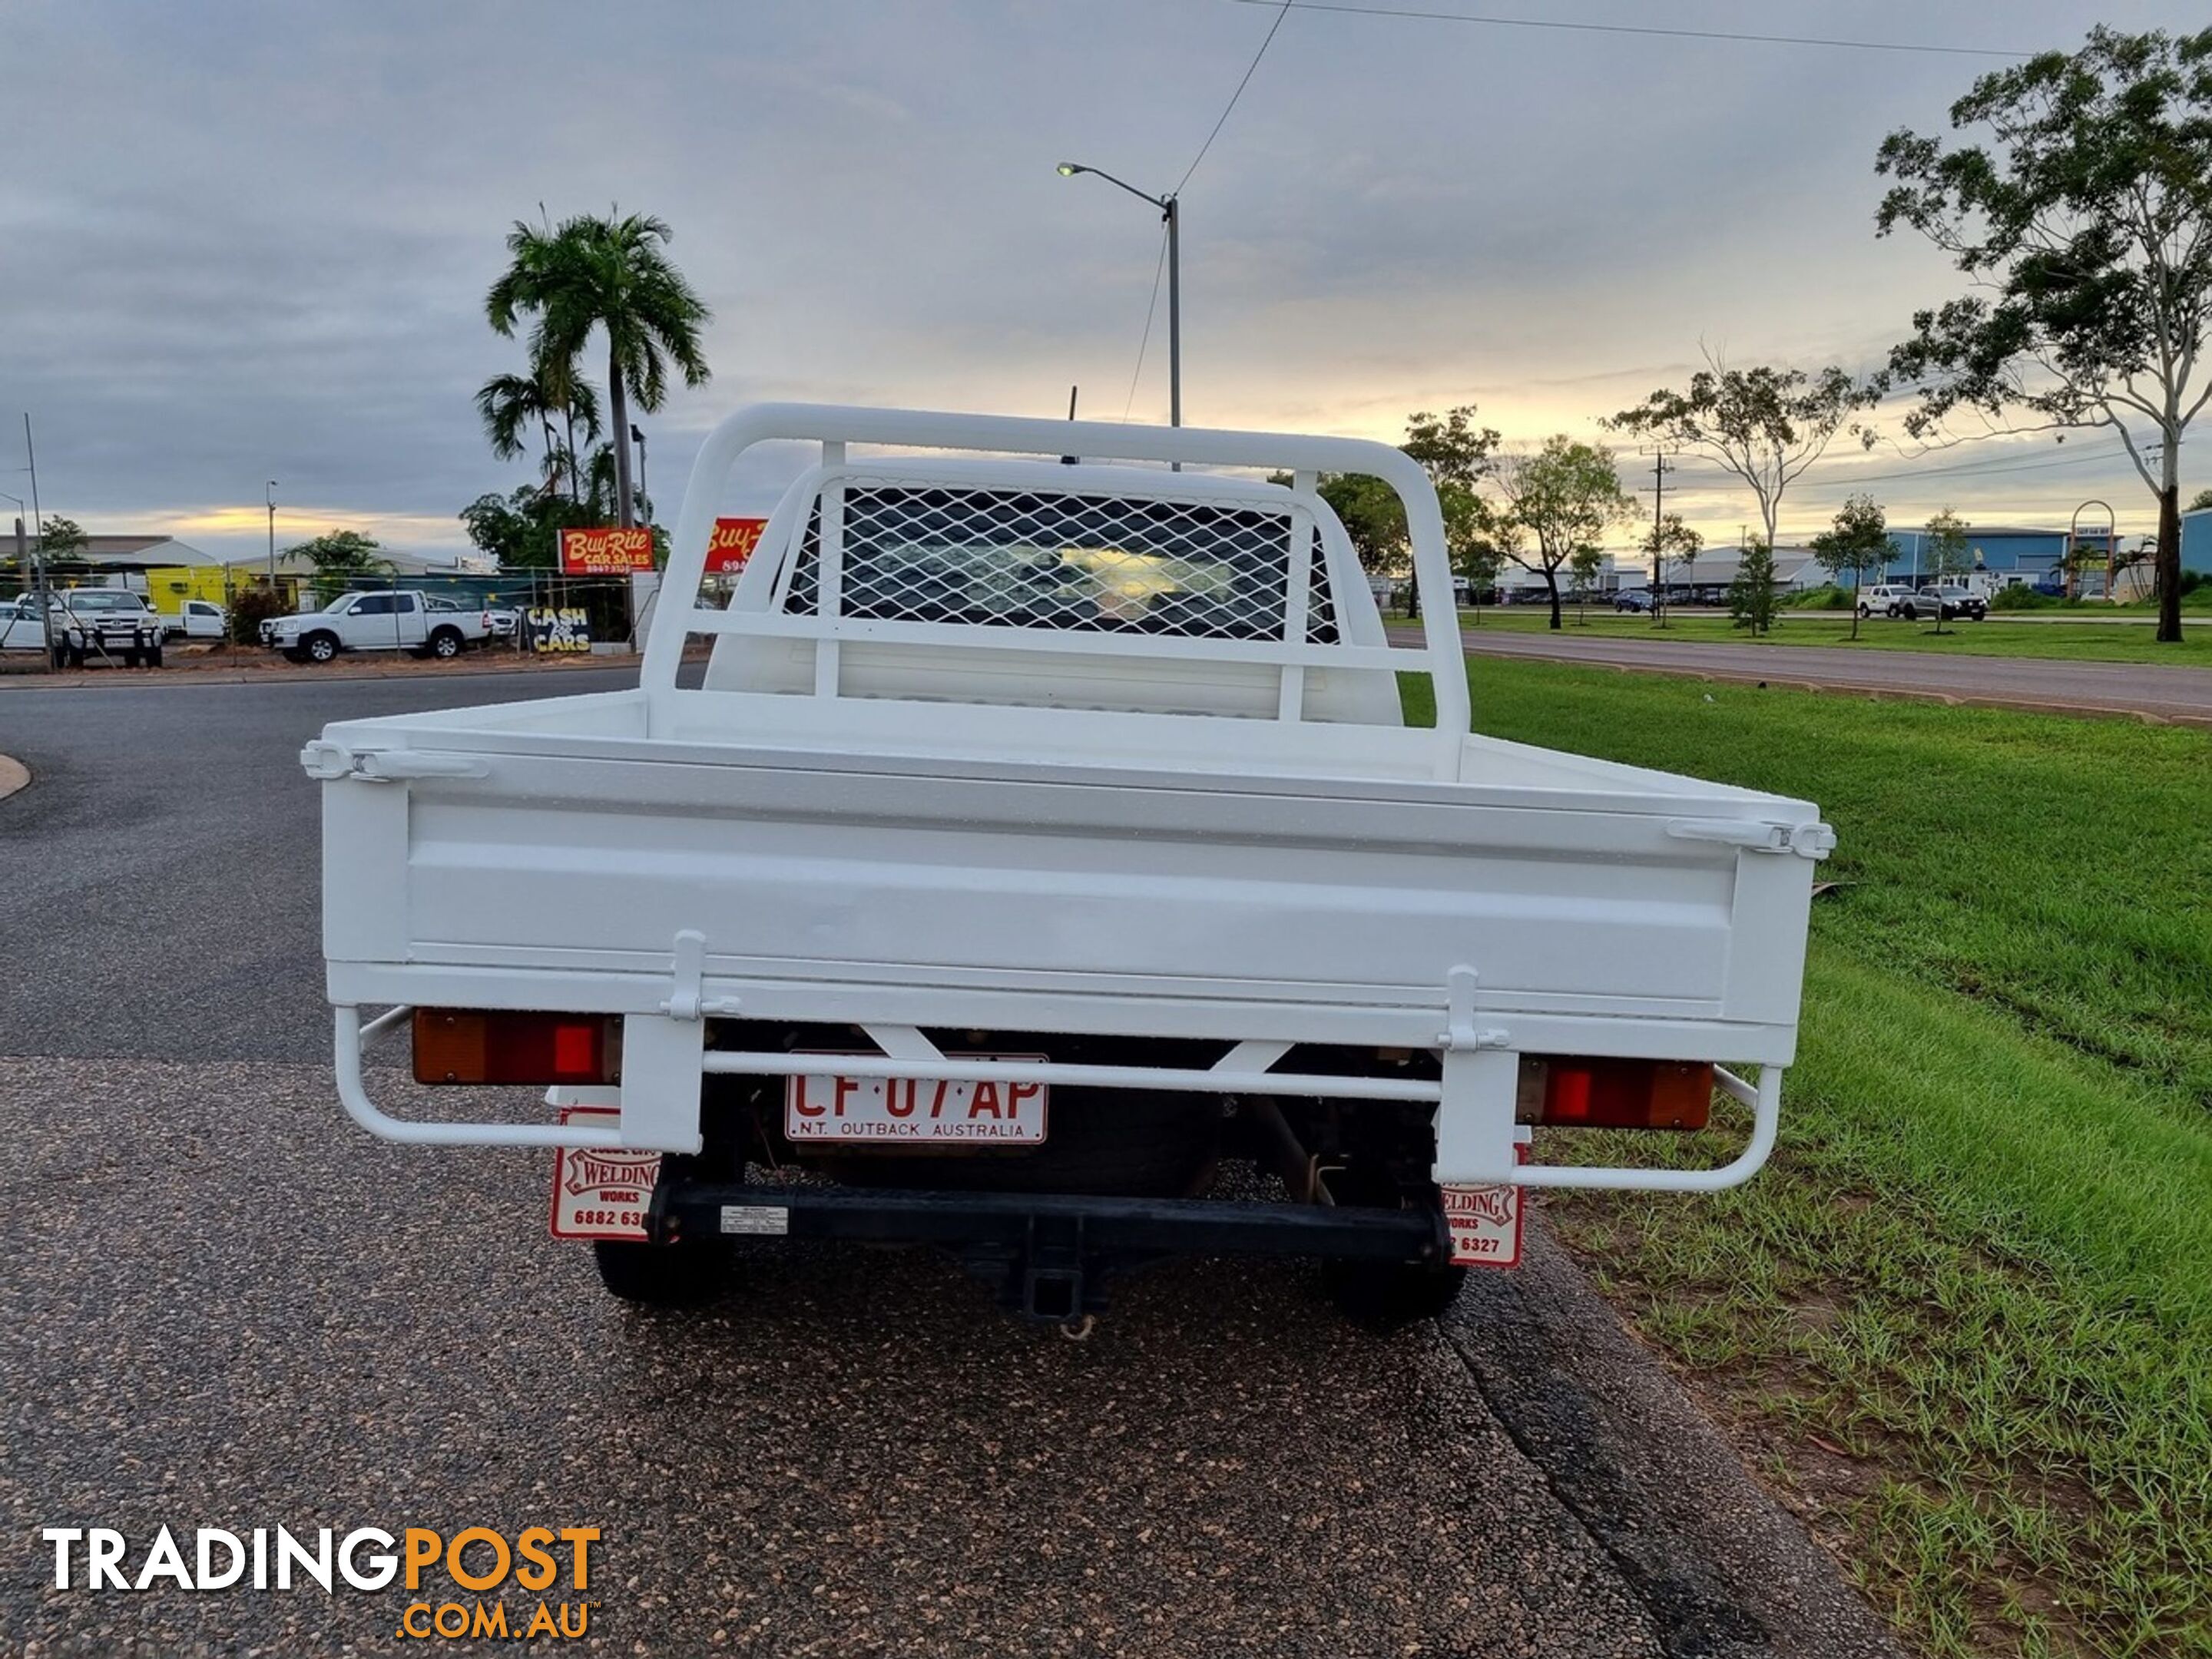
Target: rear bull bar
column 1476, row 1136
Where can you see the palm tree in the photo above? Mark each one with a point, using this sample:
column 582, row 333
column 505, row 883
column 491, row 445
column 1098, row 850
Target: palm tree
column 509, row 403
column 612, row 275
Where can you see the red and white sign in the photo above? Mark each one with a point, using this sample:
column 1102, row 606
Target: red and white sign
column 732, row 544
column 1486, row 1226
column 606, row 552
column 600, row 1191
column 915, row 1111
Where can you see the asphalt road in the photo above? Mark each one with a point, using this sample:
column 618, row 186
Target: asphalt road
column 225, row 1307
column 2102, row 688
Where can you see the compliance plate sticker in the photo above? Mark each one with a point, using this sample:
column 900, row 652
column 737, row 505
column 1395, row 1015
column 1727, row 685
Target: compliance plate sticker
column 1486, row 1226
column 770, row 1218
column 600, row 1191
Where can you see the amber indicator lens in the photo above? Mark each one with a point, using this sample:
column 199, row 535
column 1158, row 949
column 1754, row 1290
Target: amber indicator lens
column 468, row 1045
column 1614, row 1094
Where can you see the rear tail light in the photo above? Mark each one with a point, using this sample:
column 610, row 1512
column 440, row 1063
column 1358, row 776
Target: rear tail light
column 464, row 1045
column 1614, row 1094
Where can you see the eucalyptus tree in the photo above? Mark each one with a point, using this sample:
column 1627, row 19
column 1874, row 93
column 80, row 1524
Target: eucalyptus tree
column 1565, row 495
column 2080, row 220
column 1858, row 541
column 1763, row 425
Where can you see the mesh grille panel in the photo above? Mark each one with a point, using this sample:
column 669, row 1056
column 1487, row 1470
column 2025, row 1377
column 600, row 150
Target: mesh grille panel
column 1061, row 560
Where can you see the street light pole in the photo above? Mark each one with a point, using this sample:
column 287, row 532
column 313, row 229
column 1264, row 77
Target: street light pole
column 1174, row 212
column 272, row 535
column 1171, row 209
column 637, row 437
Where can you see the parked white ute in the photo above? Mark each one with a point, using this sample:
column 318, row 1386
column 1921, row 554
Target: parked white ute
column 1040, row 839
column 387, row 620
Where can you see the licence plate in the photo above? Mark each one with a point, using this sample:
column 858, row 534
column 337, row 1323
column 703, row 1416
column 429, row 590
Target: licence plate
column 917, row 1111
column 600, row 1191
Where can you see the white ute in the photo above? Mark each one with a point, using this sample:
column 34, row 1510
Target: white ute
column 1042, row 839
column 387, row 620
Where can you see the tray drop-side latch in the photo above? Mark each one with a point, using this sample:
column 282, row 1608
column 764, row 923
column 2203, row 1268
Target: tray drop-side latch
column 329, row 761
column 1813, row 841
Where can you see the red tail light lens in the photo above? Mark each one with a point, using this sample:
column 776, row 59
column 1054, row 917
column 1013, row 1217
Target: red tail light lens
column 463, row 1045
column 1614, row 1094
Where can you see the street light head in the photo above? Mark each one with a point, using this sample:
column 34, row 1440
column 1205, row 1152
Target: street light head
column 1069, row 169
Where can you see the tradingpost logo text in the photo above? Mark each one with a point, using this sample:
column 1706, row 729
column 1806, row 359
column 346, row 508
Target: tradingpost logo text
column 456, row 1579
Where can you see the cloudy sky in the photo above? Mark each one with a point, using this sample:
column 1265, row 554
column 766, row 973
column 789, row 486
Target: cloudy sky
column 243, row 242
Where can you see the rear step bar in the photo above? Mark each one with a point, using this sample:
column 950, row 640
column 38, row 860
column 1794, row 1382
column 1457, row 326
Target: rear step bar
column 1048, row 1257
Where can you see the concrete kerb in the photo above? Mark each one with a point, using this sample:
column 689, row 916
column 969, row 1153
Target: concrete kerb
column 14, row 775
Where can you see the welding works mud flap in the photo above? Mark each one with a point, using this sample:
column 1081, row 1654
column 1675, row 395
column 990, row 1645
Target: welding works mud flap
column 1047, row 1257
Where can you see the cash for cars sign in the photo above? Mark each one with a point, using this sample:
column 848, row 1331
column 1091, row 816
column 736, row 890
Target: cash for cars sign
column 605, row 552
column 732, row 544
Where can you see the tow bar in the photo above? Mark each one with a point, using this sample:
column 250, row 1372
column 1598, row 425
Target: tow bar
column 1048, row 1257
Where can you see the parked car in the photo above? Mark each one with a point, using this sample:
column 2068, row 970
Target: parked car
column 1943, row 602
column 885, row 939
column 1884, row 600
column 21, row 630
column 401, row 620
column 198, row 619
column 501, row 623
column 117, row 624
column 1632, row 598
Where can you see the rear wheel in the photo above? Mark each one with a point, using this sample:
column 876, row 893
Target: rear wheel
column 1383, row 1296
column 446, row 644
column 682, row 1275
column 131, row 657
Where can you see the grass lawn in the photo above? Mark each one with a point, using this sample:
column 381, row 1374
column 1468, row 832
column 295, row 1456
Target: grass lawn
column 1966, row 1315
column 2090, row 641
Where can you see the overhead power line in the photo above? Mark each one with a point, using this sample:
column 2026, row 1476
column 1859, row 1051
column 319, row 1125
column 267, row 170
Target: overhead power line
column 1995, row 466
column 1742, row 35
column 1248, row 70
column 1145, row 339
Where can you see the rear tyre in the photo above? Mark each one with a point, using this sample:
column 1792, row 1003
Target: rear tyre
column 687, row 1274
column 1386, row 1296
column 446, row 644
column 131, row 658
